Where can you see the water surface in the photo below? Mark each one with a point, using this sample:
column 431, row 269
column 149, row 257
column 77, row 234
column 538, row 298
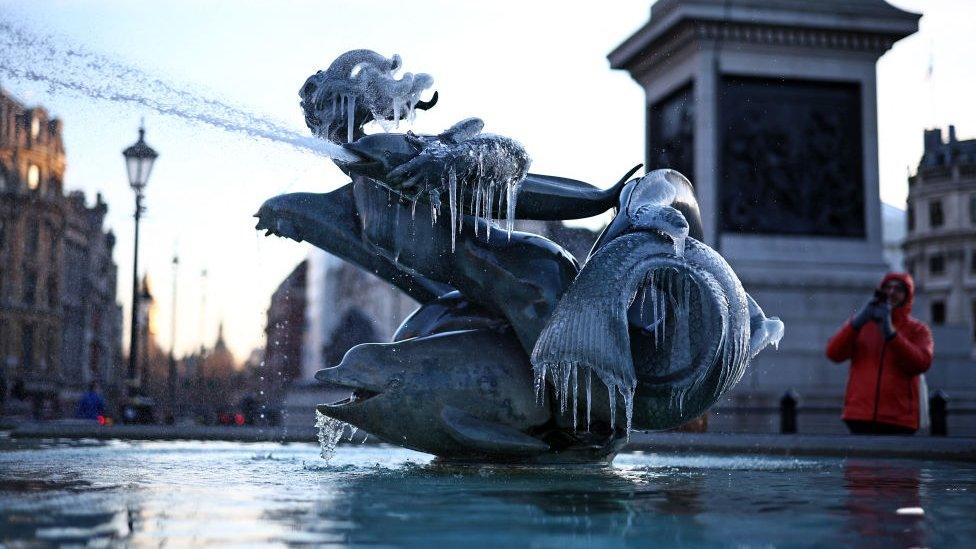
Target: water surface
column 176, row 493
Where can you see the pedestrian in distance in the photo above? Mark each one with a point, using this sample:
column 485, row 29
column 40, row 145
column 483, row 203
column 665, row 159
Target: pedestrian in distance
column 91, row 405
column 888, row 350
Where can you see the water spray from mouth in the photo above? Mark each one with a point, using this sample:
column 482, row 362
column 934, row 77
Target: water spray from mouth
column 62, row 67
column 330, row 432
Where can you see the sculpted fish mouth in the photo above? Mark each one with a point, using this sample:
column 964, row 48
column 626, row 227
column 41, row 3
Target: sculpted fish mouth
column 358, row 396
column 354, row 391
column 664, row 326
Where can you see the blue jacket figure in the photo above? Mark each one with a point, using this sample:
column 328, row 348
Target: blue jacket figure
column 91, row 404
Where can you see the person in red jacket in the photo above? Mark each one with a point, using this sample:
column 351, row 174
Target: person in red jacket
column 888, row 350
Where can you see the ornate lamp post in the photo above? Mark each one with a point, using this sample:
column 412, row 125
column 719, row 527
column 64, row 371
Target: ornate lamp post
column 172, row 348
column 139, row 160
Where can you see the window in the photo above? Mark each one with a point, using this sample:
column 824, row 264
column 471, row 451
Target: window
column 27, row 347
column 937, row 264
column 973, row 321
column 972, row 207
column 936, row 218
column 33, row 236
column 938, row 313
column 33, row 177
column 972, row 261
column 30, row 285
column 52, row 292
column 35, row 127
column 910, row 214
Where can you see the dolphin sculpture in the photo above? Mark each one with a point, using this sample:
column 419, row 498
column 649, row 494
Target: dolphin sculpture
column 498, row 362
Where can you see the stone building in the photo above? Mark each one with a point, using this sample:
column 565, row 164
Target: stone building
column 346, row 306
column 59, row 322
column 32, row 219
column 940, row 250
column 286, row 326
column 92, row 319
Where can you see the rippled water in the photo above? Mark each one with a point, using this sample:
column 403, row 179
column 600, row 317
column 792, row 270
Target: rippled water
column 193, row 492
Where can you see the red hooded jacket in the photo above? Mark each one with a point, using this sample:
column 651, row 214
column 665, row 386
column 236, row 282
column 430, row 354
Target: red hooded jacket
column 883, row 382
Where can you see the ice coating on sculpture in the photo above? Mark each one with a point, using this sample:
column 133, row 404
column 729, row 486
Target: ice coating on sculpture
column 359, row 86
column 498, row 362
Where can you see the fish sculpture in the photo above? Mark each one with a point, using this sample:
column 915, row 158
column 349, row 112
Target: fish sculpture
column 519, row 352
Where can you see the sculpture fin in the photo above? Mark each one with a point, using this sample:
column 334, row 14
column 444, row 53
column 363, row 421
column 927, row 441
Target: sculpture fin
column 763, row 330
column 547, row 197
column 489, row 437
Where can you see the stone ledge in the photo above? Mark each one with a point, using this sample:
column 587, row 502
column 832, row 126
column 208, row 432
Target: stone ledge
column 916, row 447
column 911, row 447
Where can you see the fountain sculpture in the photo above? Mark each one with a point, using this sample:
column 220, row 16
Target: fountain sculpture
column 518, row 352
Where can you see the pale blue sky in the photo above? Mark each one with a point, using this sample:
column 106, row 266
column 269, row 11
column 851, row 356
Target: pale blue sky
column 535, row 71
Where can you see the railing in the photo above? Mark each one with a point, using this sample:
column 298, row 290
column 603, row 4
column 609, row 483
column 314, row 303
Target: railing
column 789, row 409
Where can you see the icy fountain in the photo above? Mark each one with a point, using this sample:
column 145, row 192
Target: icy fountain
column 519, row 352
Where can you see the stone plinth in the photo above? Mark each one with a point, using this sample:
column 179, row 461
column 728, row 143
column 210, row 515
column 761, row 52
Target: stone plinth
column 770, row 108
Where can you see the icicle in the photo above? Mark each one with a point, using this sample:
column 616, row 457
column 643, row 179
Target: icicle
column 477, row 207
column 612, row 390
column 654, row 308
column 352, row 431
column 629, row 408
column 510, row 193
column 435, row 206
column 350, row 117
column 575, row 395
column 540, row 385
column 452, row 204
column 665, row 301
column 396, row 112
column 679, row 245
column 642, row 300
column 589, row 397
column 488, row 201
column 413, row 208
column 564, row 371
column 397, row 235
column 485, row 209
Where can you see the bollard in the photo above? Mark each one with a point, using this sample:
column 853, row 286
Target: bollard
column 938, row 410
column 787, row 412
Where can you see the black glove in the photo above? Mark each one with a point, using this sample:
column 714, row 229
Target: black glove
column 884, row 311
column 865, row 315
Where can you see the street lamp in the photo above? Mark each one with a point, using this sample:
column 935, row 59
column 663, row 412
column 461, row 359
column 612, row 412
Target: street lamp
column 139, row 160
column 172, row 348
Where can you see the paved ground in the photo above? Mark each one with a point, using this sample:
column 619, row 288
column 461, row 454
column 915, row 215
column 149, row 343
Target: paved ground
column 916, row 447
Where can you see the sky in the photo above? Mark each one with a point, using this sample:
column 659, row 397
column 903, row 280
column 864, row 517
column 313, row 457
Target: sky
column 535, row 71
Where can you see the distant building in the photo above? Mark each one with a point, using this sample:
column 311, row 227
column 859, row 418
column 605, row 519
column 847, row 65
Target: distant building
column 940, row 250
column 59, row 322
column 286, row 326
column 346, row 306
column 893, row 236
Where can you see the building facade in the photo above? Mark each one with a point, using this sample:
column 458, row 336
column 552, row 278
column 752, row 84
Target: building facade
column 59, row 321
column 286, row 326
column 91, row 317
column 940, row 249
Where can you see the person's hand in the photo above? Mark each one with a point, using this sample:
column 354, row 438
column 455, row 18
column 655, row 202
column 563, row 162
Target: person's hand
column 884, row 318
column 865, row 315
